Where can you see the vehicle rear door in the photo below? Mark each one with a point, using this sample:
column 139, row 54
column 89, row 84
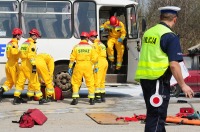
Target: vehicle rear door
column 192, row 63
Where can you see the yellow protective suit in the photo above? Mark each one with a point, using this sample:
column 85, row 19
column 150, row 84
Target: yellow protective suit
column 85, row 57
column 12, row 67
column 27, row 55
column 45, row 68
column 114, row 34
column 100, row 76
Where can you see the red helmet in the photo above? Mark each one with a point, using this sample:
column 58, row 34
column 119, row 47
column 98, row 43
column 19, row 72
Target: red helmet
column 93, row 33
column 17, row 31
column 114, row 21
column 84, row 34
column 35, row 32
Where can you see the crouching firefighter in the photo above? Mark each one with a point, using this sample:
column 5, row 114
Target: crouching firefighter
column 85, row 57
column 45, row 68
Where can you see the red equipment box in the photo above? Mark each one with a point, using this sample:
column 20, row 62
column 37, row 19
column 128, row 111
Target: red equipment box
column 188, row 110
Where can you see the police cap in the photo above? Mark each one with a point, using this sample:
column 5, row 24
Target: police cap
column 169, row 9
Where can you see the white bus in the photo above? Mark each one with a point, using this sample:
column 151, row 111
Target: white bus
column 60, row 22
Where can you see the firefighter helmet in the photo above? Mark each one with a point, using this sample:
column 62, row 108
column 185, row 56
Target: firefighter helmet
column 35, row 32
column 114, row 21
column 93, row 33
column 84, row 34
column 16, row 31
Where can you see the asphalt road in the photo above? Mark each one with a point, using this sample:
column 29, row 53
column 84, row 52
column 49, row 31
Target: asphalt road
column 124, row 100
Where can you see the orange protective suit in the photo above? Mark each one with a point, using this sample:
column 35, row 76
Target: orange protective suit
column 45, row 68
column 27, row 55
column 115, row 32
column 100, row 76
column 85, row 57
column 12, row 67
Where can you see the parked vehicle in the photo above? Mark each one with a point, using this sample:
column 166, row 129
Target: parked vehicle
column 60, row 22
column 192, row 62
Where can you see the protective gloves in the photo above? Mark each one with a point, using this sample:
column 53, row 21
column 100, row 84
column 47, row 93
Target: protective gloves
column 70, row 71
column 96, row 70
column 102, row 29
column 34, row 69
column 119, row 40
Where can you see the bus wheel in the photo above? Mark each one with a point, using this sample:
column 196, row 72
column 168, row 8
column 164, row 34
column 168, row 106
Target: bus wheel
column 63, row 80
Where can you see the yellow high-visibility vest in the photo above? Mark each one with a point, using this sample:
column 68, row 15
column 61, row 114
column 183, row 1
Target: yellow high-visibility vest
column 153, row 61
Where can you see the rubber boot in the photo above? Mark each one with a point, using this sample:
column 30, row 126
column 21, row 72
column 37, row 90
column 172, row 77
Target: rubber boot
column 42, row 101
column 74, row 101
column 30, row 98
column 117, row 71
column 16, row 101
column 118, row 68
column 112, row 68
column 1, row 94
column 23, row 100
column 97, row 98
column 51, row 99
column 103, row 97
column 91, row 101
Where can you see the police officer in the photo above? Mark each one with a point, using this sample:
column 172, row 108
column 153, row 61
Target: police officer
column 85, row 57
column 45, row 68
column 12, row 67
column 28, row 70
column 100, row 75
column 116, row 36
column 159, row 60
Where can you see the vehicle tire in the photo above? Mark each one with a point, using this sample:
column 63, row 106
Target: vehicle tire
column 62, row 79
column 175, row 90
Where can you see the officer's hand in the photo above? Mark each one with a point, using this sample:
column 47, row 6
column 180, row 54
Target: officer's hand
column 120, row 40
column 34, row 69
column 96, row 70
column 70, row 71
column 101, row 29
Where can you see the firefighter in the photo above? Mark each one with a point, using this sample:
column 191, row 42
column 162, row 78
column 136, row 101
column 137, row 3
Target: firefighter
column 45, row 68
column 85, row 57
column 28, row 70
column 12, row 67
column 116, row 36
column 100, row 75
column 159, row 59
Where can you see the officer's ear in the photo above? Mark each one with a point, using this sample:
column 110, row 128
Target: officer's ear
column 175, row 19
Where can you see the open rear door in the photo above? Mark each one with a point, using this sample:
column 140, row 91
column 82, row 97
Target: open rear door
column 133, row 41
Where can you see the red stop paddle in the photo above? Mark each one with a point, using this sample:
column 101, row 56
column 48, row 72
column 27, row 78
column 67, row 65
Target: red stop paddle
column 156, row 100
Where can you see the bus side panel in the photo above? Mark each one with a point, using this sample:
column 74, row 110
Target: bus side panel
column 2, row 74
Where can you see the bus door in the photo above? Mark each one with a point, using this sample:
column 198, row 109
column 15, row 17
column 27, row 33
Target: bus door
column 105, row 12
column 133, row 42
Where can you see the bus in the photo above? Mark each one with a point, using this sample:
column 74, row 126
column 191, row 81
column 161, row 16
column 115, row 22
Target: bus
column 60, row 22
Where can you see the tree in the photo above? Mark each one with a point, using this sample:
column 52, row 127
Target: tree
column 188, row 25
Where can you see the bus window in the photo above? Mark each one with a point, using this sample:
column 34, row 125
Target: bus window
column 84, row 17
column 51, row 18
column 132, row 32
column 8, row 18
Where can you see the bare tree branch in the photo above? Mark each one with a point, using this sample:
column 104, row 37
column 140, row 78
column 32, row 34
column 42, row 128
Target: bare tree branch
column 188, row 25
